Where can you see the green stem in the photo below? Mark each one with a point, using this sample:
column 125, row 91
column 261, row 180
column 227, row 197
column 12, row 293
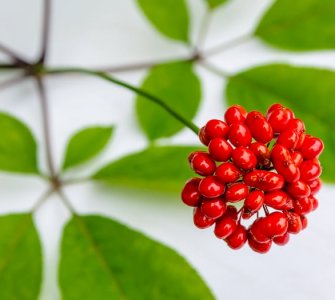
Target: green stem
column 128, row 86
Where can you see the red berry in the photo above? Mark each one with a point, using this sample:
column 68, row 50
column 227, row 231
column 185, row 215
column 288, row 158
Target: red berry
column 257, row 230
column 315, row 185
column 273, row 107
column 304, row 222
column 315, row 202
column 260, row 128
column 311, row 148
column 276, row 199
column 202, row 163
column 310, row 170
column 289, row 139
column 239, row 135
column 236, row 192
column 282, row 240
column 227, row 172
column 279, row 118
column 294, row 223
column 202, row 136
column 262, row 153
column 264, row 180
column 238, row 238
column 190, row 194
column 213, row 208
column 299, row 127
column 259, row 247
column 211, row 187
column 200, row 220
column 254, row 201
column 224, row 227
column 297, row 158
column 216, row 129
column 275, row 224
column 232, row 212
column 303, row 206
column 235, row 113
column 244, row 158
column 298, row 189
column 284, row 164
column 220, row 149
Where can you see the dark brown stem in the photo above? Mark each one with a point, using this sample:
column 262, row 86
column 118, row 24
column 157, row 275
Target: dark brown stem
column 45, row 30
column 17, row 59
column 266, row 210
column 46, row 126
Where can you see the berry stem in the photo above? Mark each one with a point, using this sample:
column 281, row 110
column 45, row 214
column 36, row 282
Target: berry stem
column 45, row 30
column 266, row 210
column 128, row 86
column 10, row 82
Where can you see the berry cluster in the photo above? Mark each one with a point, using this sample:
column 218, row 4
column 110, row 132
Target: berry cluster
column 266, row 163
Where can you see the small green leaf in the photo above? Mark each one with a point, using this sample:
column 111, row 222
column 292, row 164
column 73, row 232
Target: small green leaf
column 102, row 259
column 213, row 4
column 170, row 17
column 20, row 258
column 18, row 150
column 309, row 92
column 299, row 25
column 178, row 86
column 155, row 168
column 86, row 144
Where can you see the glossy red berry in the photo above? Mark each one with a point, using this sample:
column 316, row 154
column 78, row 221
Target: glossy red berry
column 236, row 192
column 202, row 163
column 279, row 118
column 200, row 220
column 262, row 153
column 216, row 129
column 244, row 158
column 211, row 187
column 259, row 247
column 310, row 170
column 276, row 199
column 254, row 201
column 268, row 164
column 220, row 149
column 260, row 128
column 235, row 114
column 190, row 194
column 282, row 240
column 239, row 134
column 224, row 227
column 213, row 208
column 311, row 148
column 228, row 172
column 238, row 238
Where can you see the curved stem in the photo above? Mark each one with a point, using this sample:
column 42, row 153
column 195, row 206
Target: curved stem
column 45, row 30
column 130, row 87
column 13, row 55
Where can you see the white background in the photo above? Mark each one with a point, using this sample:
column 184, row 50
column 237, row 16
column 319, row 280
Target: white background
column 114, row 32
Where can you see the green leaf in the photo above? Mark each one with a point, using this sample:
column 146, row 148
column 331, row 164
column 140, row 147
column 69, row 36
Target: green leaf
column 308, row 91
column 20, row 258
column 85, row 144
column 102, row 259
column 155, row 168
column 213, row 4
column 169, row 17
column 18, row 150
column 299, row 25
column 178, row 86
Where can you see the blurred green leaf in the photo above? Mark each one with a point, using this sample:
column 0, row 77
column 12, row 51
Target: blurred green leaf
column 86, row 144
column 20, row 258
column 299, row 25
column 213, row 4
column 309, row 92
column 170, row 17
column 155, row 168
column 102, row 259
column 178, row 86
column 18, row 150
